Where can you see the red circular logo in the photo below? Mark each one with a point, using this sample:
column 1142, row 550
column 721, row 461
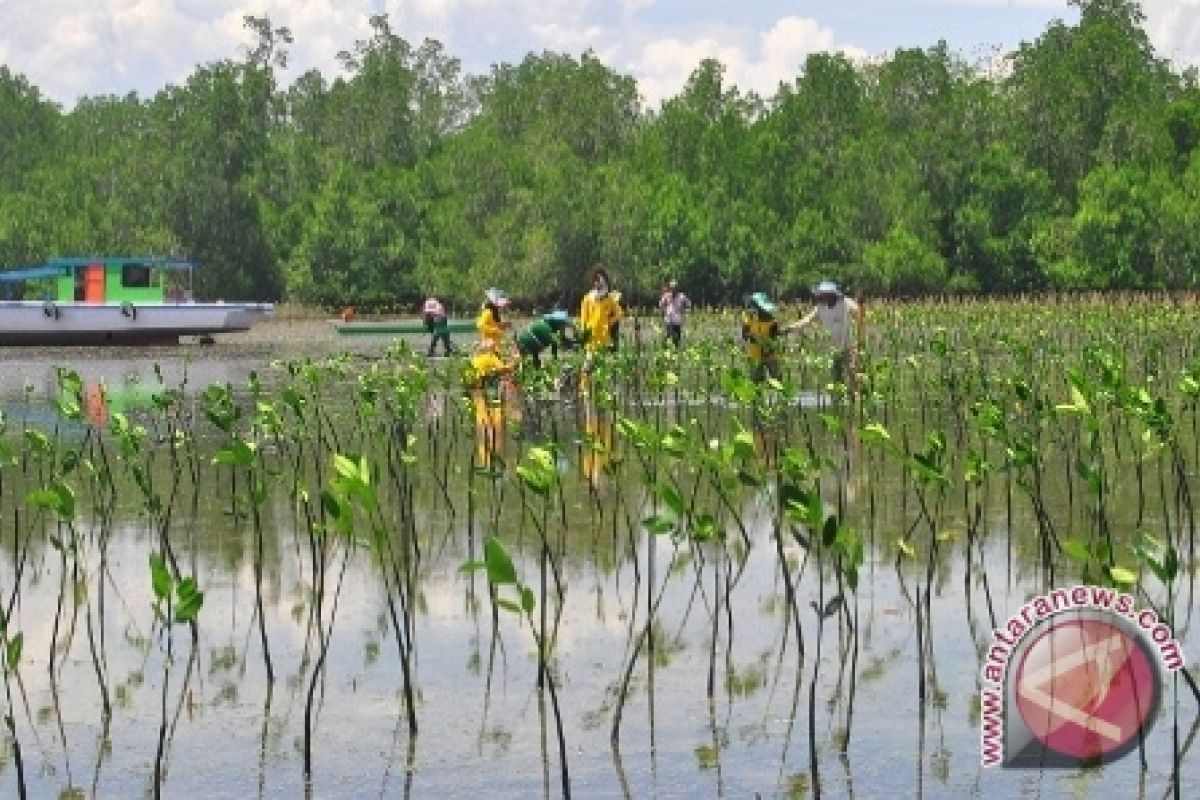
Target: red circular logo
column 1086, row 688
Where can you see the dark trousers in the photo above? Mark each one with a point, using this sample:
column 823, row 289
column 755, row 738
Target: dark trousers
column 674, row 332
column 762, row 370
column 442, row 335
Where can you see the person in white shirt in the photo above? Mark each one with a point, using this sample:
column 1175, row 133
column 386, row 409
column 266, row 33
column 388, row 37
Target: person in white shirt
column 836, row 312
column 672, row 303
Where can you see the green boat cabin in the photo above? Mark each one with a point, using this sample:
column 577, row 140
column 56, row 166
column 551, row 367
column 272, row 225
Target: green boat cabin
column 103, row 280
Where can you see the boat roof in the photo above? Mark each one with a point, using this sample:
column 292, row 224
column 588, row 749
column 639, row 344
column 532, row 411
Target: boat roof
column 29, row 273
column 58, row 266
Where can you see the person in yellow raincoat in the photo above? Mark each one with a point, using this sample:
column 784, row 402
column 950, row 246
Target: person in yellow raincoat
column 485, row 380
column 599, row 313
column 761, row 334
column 491, row 323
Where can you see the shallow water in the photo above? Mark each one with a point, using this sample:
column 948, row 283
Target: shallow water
column 485, row 729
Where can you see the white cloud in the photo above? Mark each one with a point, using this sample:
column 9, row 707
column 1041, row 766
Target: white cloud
column 90, row 47
column 753, row 63
column 1047, row 4
column 1174, row 28
column 69, row 48
column 563, row 38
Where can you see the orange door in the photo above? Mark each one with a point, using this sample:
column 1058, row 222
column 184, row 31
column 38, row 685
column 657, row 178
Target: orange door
column 93, row 283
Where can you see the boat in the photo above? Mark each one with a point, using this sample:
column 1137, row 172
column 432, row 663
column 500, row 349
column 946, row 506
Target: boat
column 113, row 300
column 397, row 328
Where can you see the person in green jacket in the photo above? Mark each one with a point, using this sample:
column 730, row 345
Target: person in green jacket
column 549, row 331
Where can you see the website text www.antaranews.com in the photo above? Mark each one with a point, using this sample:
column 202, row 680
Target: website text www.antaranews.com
column 1006, row 638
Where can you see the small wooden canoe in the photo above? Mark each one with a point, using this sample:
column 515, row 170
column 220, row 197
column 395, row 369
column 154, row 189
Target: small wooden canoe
column 397, row 328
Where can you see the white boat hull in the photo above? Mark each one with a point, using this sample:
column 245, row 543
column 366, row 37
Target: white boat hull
column 24, row 322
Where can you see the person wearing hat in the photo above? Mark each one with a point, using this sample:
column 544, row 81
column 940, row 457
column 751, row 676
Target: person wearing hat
column 760, row 332
column 835, row 311
column 599, row 312
column 434, row 315
column 490, row 323
column 548, row 331
column 672, row 304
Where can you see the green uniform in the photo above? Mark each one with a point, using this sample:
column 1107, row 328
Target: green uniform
column 545, row 332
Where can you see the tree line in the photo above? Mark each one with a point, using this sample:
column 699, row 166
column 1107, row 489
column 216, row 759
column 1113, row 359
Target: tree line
column 1070, row 164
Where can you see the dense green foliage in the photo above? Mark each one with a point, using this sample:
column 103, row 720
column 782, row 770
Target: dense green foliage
column 1073, row 167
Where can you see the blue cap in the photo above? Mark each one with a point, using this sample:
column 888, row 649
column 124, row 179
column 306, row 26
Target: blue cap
column 495, row 296
column 827, row 287
column 558, row 315
column 762, row 302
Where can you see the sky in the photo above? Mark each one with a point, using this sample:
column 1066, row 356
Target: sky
column 75, row 48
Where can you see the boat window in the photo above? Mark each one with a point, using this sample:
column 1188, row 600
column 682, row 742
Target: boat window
column 136, row 276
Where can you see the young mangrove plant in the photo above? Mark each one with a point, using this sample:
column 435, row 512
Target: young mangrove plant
column 177, row 600
column 223, row 411
column 11, row 645
column 832, row 545
column 501, row 573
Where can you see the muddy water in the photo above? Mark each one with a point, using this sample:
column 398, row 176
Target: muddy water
column 485, row 729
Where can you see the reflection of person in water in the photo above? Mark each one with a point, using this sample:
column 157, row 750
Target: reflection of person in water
column 597, row 444
column 485, row 379
column 95, row 404
column 99, row 400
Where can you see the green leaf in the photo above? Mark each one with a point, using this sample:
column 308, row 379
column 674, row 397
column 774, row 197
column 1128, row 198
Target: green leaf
column 905, row 548
column 675, row 441
column 160, row 576
column 187, row 608
column 743, row 445
column 875, row 433
column 1121, row 576
column 238, row 454
column 659, row 525
column 66, row 500
column 1170, row 564
column 508, row 605
column 829, row 531
column 535, row 479
column 1078, row 404
column 331, row 504
column 704, row 527
column 42, row 498
column 186, row 588
column 527, row 600
column 37, row 440
column 12, row 653
column 500, row 570
column 345, row 467
column 1076, row 550
column 672, row 500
